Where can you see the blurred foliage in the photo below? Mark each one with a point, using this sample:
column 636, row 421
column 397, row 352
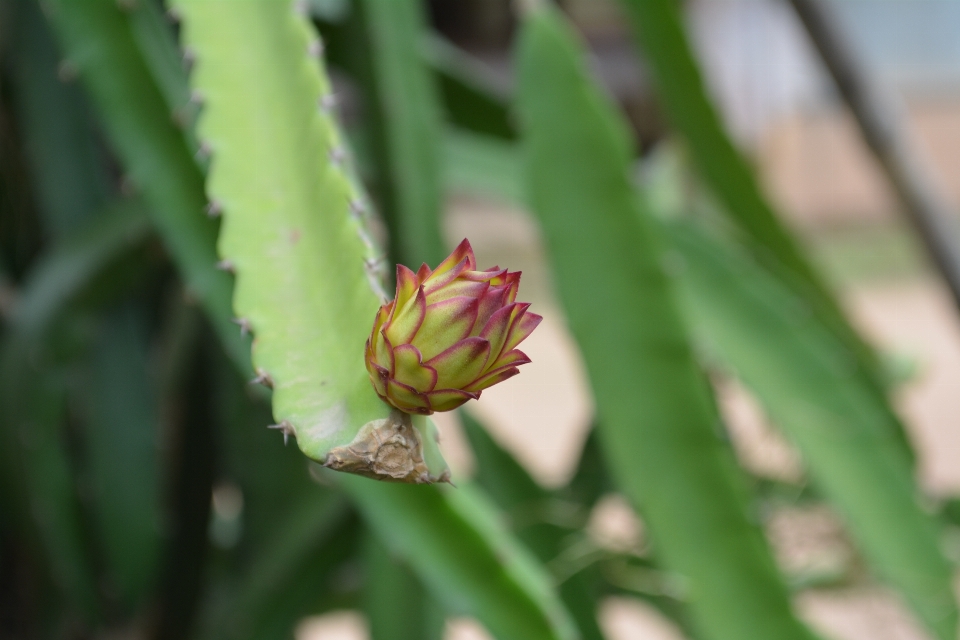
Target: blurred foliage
column 164, row 169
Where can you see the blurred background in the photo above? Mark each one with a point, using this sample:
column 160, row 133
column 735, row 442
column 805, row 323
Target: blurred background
column 781, row 106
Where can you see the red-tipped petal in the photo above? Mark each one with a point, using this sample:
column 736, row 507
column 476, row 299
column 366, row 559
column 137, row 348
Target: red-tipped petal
column 440, row 279
column 520, row 329
column 513, row 358
column 492, row 378
column 410, row 370
column 484, row 276
column 404, row 326
column 461, row 364
column 379, row 377
column 383, row 351
column 491, row 301
column 463, row 252
column 498, row 326
column 457, row 289
column 512, row 280
column 446, row 323
column 406, row 398
column 423, row 272
column 407, row 285
column 449, row 399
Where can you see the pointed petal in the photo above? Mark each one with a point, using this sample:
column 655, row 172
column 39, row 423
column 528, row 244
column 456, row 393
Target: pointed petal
column 445, row 324
column 463, row 252
column 383, row 351
column 423, row 272
column 491, row 379
column 491, row 301
column 513, row 358
column 512, row 280
column 379, row 377
column 458, row 288
column 449, row 399
column 484, row 276
column 407, row 284
column 498, row 326
column 404, row 326
column 462, row 363
column 440, row 279
column 521, row 328
column 409, row 369
column 406, row 398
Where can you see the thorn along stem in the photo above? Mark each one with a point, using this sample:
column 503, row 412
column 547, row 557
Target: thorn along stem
column 244, row 325
column 285, row 428
column 263, row 378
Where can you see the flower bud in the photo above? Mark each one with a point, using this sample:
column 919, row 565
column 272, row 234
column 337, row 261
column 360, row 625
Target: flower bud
column 449, row 334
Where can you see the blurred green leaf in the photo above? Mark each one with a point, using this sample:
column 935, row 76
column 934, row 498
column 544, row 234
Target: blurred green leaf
column 98, row 41
column 800, row 373
column 66, row 168
column 654, row 408
column 395, row 603
column 121, row 438
column 473, row 99
column 407, row 129
column 546, row 524
column 306, row 282
column 453, row 540
column 38, row 482
column 659, row 29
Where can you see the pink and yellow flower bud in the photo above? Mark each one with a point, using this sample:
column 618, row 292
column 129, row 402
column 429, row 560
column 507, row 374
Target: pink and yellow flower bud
column 449, row 334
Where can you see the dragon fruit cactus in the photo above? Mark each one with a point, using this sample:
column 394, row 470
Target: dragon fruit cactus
column 449, row 334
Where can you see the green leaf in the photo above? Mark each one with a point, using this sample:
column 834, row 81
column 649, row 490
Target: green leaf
column 659, row 30
column 306, row 269
column 800, row 372
column 474, row 100
column 37, row 481
column 98, row 42
column 453, row 541
column 395, row 603
column 407, row 129
column 483, row 166
column 657, row 424
column 67, row 174
column 121, row 438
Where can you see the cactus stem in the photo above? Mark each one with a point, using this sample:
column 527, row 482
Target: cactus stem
column 285, row 428
column 196, row 97
column 226, row 265
column 301, row 8
column 244, row 325
column 174, row 15
column 214, row 209
column 315, row 48
column 263, row 378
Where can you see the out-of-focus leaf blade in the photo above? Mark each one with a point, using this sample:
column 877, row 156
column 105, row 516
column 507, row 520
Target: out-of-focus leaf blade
column 474, row 100
column 482, row 166
column 98, row 42
column 395, row 603
column 121, row 439
column 799, row 372
column 68, row 177
column 659, row 29
column 306, row 275
column 37, row 481
column 453, row 541
column 540, row 520
column 654, row 410
column 407, row 127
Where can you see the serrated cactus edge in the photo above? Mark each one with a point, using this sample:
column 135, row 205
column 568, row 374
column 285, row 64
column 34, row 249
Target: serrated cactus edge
column 294, row 231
